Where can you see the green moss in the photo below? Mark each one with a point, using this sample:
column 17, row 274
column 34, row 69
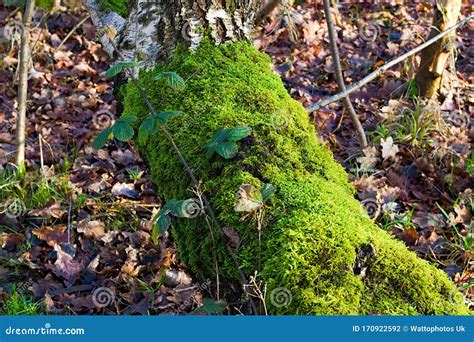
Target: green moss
column 118, row 6
column 313, row 226
column 46, row 4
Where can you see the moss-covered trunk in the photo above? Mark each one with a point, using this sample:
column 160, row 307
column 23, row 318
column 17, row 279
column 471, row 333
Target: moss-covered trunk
column 319, row 252
column 316, row 237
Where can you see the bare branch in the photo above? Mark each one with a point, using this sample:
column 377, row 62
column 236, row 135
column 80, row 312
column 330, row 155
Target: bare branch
column 339, row 76
column 23, row 83
column 373, row 75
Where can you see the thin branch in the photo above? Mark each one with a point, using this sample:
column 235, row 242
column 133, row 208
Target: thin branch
column 339, row 76
column 168, row 136
column 373, row 75
column 23, row 83
column 72, row 31
column 265, row 10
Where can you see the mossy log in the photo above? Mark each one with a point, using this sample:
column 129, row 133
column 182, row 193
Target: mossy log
column 314, row 231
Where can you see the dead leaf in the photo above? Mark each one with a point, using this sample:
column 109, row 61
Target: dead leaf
column 91, row 229
column 249, row 199
column 11, row 241
column 65, row 266
column 51, row 210
column 370, row 158
column 52, row 235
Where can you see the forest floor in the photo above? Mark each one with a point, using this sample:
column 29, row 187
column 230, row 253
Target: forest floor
column 80, row 219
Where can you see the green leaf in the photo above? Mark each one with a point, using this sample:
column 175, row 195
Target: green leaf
column 147, row 127
column 122, row 130
column 211, row 306
column 155, row 233
column 101, row 138
column 227, row 149
column 118, row 67
column 210, row 152
column 163, row 116
column 173, row 79
column 267, row 191
column 221, row 135
column 238, row 133
column 163, row 223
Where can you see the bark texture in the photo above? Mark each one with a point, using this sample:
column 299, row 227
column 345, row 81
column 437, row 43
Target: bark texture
column 153, row 29
column 435, row 57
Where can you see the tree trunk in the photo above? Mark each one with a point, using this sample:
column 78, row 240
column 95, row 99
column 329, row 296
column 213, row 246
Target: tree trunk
column 320, row 253
column 435, row 57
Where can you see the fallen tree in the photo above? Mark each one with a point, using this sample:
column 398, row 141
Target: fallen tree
column 311, row 241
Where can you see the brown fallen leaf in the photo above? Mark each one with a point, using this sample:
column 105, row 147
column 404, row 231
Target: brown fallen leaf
column 11, row 241
column 65, row 266
column 91, row 229
column 51, row 210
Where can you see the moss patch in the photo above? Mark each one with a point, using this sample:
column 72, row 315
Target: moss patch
column 312, row 227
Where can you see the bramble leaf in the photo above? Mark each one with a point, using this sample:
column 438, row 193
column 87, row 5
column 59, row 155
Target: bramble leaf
column 117, row 68
column 227, row 149
column 122, row 130
column 101, row 138
column 173, row 79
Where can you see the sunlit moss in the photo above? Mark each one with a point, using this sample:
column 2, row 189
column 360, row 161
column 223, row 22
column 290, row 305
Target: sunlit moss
column 312, row 226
